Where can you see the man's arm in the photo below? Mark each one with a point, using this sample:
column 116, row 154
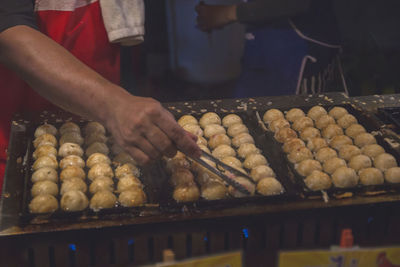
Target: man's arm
column 140, row 125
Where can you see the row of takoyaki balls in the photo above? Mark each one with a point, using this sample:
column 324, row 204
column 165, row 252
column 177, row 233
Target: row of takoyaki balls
column 331, row 147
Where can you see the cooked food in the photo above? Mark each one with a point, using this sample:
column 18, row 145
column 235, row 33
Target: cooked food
column 123, row 158
column 125, row 169
column 72, row 184
column 71, row 137
column 309, row 133
column 193, row 129
column 324, row 121
column 214, row 190
column 95, row 137
column 302, row 123
column 385, row 161
column 325, row 153
column 372, row 150
column 186, row 193
column 204, row 176
column 97, row 158
column 300, row 154
column 340, row 140
column 213, row 129
column 101, row 183
column 43, row 204
column 254, row 160
column 44, row 188
column 315, row 144
column 72, row 160
column 346, row 152
column 69, row 127
column 272, row 115
column 332, row 164
column 70, row 149
column 307, row 166
column 209, row 118
column 72, row 171
column 187, row 119
column 371, row 176
column 364, row 139
column 134, row 197
column 45, row 161
column 232, row 161
column 94, row 127
column 97, row 147
column 293, row 114
column 269, row 186
column 236, row 129
column 242, row 139
column 231, row 119
column 293, row 144
column 360, row 162
column 204, row 148
column 181, row 176
column 223, row 151
column 285, row 134
column 100, row 169
column 392, row 175
column 261, row 171
column 127, row 182
column 74, row 200
column 201, row 141
column 345, row 177
column 318, row 180
column 45, row 129
column 176, row 163
column 45, row 174
column 338, row 112
column 103, row 200
column 244, row 182
column 316, row 112
column 45, row 150
column 247, row 149
column 332, row 130
column 346, row 120
column 219, row 139
column 277, row 125
column 354, row 130
column 45, row 139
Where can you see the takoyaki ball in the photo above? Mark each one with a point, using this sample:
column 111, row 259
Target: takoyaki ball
column 293, row 144
column 316, row 144
column 186, row 193
column 209, row 118
column 175, row 163
column 385, row 161
column 302, row 123
column 316, row 112
column 346, row 152
column 242, row 138
column 269, row 186
column 45, row 139
column 318, row 180
column 70, row 149
column 372, row 150
column 45, row 150
column 219, row 139
column 232, row 162
column 324, row 121
column 43, row 204
column 204, row 148
column 332, row 164
column 360, row 162
column 125, row 169
column 45, row 161
column 223, row 151
column 213, row 129
column 371, row 176
column 95, row 137
column 72, row 184
column 247, row 149
column 179, row 155
column 214, row 190
column 325, row 153
column 134, row 197
column 45, row 129
column 100, row 169
column 300, row 154
column 237, row 129
column 272, row 115
column 127, row 182
column 44, row 188
column 74, row 200
column 205, row 176
column 231, row 119
column 364, row 139
column 261, row 171
column 116, row 149
column 94, row 127
column 69, row 127
column 103, row 200
column 72, row 160
column 309, row 133
column 97, row 158
column 45, row 174
column 123, row 158
column 101, row 183
column 331, row 131
column 306, row 167
column 392, row 175
column 345, row 177
column 354, row 130
column 245, row 183
column 346, row 120
column 193, row 129
column 72, row 171
column 340, row 140
column 181, row 176
column 277, row 125
column 97, row 147
column 254, row 160
column 187, row 119
column 285, row 134
column 294, row 114
column 71, row 137
column 201, row 141
column 338, row 112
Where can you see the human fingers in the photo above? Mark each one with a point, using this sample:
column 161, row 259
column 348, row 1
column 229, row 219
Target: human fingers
column 160, row 141
column 146, row 147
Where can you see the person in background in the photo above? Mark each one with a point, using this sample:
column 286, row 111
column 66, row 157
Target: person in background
column 291, row 46
column 63, row 53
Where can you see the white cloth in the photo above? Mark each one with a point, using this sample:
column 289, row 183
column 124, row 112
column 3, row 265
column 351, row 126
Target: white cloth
column 124, row 21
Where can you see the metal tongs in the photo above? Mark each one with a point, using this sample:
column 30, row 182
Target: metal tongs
column 230, row 179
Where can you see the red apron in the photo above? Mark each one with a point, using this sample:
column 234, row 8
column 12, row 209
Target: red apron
column 79, row 27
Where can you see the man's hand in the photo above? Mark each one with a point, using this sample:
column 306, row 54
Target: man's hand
column 214, row 16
